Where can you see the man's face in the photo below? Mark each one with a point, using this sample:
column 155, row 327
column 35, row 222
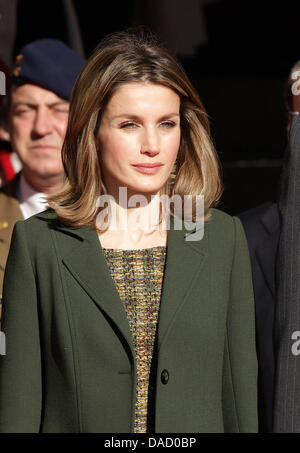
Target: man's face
column 37, row 123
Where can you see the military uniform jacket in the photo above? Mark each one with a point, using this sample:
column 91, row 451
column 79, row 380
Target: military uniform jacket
column 10, row 213
column 70, row 364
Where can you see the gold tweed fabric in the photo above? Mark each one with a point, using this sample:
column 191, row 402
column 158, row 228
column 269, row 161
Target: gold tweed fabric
column 138, row 276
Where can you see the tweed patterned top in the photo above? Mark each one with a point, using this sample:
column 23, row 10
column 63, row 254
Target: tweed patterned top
column 138, row 276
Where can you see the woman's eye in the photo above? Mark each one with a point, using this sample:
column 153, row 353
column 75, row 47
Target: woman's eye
column 168, row 124
column 128, row 126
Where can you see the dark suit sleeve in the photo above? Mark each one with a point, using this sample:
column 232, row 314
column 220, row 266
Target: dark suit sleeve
column 20, row 368
column 240, row 363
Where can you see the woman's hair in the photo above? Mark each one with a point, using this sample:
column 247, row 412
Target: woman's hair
column 129, row 56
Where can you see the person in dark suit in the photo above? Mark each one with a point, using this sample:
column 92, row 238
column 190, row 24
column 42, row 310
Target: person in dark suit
column 287, row 320
column 128, row 319
column 262, row 228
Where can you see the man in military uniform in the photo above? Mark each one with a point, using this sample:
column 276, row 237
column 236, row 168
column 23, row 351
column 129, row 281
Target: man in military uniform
column 42, row 81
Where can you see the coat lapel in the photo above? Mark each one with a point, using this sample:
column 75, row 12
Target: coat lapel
column 86, row 262
column 183, row 265
column 267, row 251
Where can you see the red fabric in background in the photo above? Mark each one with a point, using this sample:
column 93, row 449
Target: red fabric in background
column 6, row 165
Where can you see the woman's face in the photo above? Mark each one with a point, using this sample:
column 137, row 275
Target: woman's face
column 139, row 138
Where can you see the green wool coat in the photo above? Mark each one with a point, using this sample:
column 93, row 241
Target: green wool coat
column 70, row 362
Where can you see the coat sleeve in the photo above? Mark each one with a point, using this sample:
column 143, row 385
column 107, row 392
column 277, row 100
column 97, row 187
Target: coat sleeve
column 20, row 367
column 240, row 362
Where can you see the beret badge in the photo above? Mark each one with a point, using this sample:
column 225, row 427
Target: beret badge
column 17, row 68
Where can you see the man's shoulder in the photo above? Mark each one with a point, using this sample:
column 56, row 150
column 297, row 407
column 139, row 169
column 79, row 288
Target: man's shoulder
column 4, row 198
column 256, row 212
column 263, row 217
column 10, row 188
column 262, row 226
column 10, row 211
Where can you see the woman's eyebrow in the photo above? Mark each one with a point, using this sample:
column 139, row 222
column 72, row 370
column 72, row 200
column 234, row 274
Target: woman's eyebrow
column 126, row 115
column 136, row 117
column 169, row 115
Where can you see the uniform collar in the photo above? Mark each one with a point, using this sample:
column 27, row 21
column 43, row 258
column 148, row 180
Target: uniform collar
column 31, row 201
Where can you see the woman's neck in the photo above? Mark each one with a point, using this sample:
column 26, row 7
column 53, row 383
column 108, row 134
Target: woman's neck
column 133, row 226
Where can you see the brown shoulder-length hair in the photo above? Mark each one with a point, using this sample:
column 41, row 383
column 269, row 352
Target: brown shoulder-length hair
column 134, row 55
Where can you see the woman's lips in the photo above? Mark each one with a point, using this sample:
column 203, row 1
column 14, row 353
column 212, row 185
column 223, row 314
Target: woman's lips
column 43, row 147
column 148, row 168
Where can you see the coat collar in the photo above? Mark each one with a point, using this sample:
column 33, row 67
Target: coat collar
column 83, row 256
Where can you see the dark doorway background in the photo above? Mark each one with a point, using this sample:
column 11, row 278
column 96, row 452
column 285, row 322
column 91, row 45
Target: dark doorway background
column 239, row 73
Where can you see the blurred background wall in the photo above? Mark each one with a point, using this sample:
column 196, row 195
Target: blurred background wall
column 238, row 54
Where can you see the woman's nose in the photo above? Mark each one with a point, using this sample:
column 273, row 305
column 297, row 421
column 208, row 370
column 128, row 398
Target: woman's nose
column 150, row 143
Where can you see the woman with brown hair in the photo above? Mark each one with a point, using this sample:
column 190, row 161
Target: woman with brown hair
column 128, row 317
